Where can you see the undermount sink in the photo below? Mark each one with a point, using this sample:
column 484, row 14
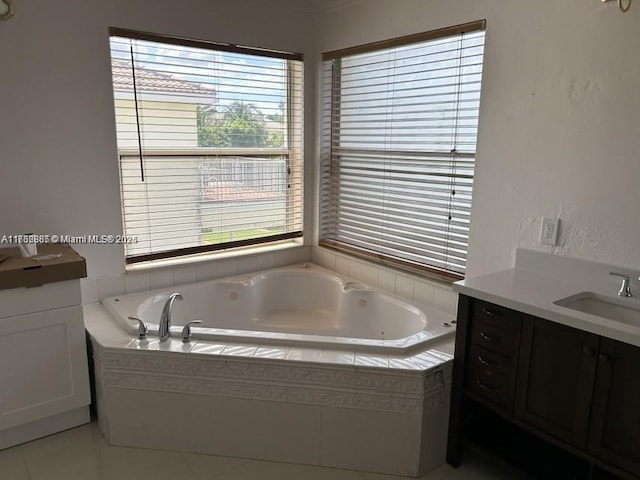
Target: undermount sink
column 624, row 310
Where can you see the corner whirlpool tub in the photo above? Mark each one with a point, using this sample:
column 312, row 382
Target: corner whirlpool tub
column 295, row 364
column 301, row 305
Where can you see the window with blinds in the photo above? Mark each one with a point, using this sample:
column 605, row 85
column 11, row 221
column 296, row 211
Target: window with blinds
column 209, row 144
column 398, row 141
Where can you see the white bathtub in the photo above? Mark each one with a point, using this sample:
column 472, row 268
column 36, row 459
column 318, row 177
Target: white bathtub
column 303, row 305
column 355, row 377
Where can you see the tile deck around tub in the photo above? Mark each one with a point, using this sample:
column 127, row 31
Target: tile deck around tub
column 101, row 325
column 320, row 377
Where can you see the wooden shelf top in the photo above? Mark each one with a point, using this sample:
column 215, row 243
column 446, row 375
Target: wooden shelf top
column 16, row 271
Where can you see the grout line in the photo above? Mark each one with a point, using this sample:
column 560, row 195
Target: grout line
column 241, row 462
column 189, row 466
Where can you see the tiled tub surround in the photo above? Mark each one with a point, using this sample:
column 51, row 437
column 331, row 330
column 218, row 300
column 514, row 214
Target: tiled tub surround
column 432, row 293
column 296, row 305
column 411, row 287
column 328, row 406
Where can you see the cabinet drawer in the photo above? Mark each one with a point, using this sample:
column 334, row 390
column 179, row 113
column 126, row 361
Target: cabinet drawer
column 491, row 376
column 496, row 316
column 490, row 364
column 19, row 301
column 495, row 328
column 494, row 339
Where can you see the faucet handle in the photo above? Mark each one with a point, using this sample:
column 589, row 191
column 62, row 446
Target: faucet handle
column 142, row 327
column 186, row 331
column 625, row 288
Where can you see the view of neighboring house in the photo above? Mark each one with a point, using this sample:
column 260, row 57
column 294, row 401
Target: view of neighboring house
column 213, row 187
column 157, row 93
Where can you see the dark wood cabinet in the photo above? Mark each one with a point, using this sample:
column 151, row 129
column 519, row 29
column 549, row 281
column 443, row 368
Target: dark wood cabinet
column 486, row 359
column 493, row 354
column 574, row 391
column 555, row 379
column 614, row 434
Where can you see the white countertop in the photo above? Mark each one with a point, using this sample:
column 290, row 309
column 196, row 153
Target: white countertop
column 534, row 292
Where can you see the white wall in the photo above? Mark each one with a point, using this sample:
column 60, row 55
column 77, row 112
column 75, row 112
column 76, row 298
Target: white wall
column 58, row 163
column 559, row 134
column 560, row 118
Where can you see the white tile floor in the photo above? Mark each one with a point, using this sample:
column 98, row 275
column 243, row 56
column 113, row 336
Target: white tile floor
column 83, row 454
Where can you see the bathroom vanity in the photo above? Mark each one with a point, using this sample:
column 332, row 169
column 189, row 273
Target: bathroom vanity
column 44, row 384
column 546, row 383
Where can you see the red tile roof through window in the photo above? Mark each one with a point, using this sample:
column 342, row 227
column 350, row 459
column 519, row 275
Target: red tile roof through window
column 153, row 81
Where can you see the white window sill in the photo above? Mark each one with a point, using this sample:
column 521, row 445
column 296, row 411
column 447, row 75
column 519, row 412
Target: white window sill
column 211, row 256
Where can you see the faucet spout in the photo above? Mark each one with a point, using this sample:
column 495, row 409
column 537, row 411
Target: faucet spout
column 625, row 288
column 164, row 328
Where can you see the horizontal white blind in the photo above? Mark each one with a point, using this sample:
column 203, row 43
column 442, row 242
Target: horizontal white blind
column 398, row 151
column 210, row 145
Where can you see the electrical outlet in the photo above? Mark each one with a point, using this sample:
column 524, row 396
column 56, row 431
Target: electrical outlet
column 549, row 231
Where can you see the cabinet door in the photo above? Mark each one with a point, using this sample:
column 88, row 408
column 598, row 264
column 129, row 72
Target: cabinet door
column 43, row 365
column 555, row 379
column 615, row 421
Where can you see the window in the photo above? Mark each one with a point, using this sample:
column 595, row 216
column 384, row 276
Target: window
column 398, row 148
column 209, row 144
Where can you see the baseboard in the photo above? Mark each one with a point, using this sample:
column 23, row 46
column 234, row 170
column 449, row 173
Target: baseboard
column 42, row 428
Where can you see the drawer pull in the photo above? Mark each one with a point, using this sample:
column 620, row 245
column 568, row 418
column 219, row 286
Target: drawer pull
column 486, row 337
column 486, row 388
column 484, row 362
column 588, row 352
column 489, row 313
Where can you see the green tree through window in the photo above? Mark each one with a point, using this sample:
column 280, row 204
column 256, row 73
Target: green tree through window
column 239, row 125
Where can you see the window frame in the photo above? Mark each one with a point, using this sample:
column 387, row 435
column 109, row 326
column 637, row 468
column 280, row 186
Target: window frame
column 293, row 151
column 329, row 158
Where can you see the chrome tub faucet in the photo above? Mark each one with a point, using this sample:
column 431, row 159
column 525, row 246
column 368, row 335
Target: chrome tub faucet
column 164, row 328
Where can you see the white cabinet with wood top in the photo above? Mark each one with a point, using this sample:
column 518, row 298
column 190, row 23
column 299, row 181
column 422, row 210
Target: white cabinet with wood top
column 44, row 383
